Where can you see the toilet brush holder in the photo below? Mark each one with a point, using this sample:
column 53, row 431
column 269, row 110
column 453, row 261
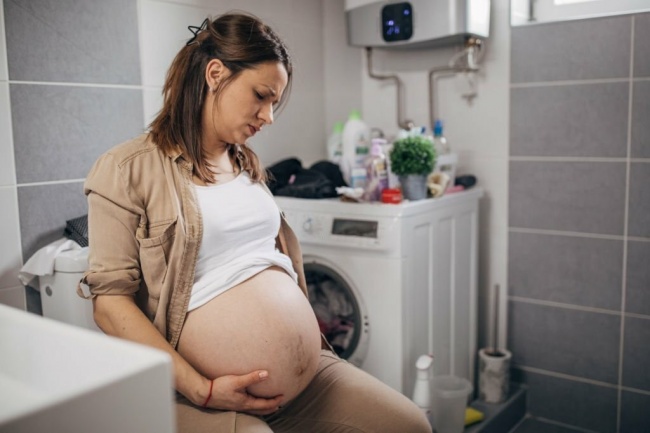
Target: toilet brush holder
column 494, row 375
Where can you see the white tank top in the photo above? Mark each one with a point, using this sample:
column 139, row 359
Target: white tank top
column 240, row 223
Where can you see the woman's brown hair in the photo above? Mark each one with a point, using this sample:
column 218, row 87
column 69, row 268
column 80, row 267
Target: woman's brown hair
column 241, row 41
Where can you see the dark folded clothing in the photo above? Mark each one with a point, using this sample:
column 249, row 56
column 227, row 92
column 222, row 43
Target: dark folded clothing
column 77, row 230
column 288, row 178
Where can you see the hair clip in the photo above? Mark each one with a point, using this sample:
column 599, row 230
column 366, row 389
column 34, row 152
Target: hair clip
column 196, row 30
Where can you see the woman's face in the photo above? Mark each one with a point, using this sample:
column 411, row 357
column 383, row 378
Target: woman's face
column 246, row 104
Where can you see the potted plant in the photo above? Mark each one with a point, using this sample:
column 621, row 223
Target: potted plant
column 412, row 159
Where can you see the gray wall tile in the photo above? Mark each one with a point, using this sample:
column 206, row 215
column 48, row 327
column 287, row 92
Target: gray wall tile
column 575, row 120
column 572, row 196
column 566, row 269
column 4, row 75
column 636, row 353
column 642, row 45
column 572, row 50
column 640, row 116
column 639, row 212
column 579, row 343
column 635, row 416
column 60, row 130
column 637, row 293
column 579, row 404
column 81, row 41
column 44, row 209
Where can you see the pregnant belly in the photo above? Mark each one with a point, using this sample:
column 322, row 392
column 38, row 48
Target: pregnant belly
column 264, row 323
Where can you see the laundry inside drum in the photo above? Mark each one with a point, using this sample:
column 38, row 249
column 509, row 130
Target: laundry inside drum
column 336, row 308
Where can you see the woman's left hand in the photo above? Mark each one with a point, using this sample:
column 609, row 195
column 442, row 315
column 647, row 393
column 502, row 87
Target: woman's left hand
column 229, row 393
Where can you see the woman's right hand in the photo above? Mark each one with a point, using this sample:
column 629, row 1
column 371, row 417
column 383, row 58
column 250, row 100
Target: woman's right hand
column 229, row 393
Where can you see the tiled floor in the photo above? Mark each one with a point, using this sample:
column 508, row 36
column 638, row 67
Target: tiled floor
column 530, row 425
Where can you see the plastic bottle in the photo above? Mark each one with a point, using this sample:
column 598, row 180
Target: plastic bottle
column 439, row 140
column 355, row 140
column 423, row 384
column 446, row 161
column 376, row 171
column 335, row 144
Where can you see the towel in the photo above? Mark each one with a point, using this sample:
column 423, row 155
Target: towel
column 42, row 262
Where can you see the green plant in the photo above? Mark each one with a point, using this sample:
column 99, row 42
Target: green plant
column 412, row 155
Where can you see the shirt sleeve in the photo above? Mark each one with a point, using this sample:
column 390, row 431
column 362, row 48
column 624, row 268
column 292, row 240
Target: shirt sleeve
column 113, row 220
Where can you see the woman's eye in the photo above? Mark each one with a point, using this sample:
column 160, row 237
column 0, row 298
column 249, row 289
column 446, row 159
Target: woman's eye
column 259, row 96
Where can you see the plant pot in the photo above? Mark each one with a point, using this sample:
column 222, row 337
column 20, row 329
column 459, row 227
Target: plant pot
column 414, row 186
column 494, row 375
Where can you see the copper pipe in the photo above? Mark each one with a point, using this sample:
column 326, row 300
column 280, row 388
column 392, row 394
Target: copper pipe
column 405, row 124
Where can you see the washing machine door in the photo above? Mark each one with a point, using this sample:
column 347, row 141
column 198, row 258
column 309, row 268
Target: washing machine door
column 339, row 309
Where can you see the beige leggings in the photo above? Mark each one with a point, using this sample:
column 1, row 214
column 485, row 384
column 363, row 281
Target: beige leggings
column 340, row 399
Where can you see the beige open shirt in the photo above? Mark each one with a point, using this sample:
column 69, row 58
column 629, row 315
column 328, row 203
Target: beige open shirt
column 145, row 230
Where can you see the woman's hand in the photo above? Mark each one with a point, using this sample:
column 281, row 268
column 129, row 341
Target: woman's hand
column 229, row 393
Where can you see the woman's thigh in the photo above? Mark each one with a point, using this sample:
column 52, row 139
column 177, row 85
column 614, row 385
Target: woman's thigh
column 344, row 399
column 192, row 419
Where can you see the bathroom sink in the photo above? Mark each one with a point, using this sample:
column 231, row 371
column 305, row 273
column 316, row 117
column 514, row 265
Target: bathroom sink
column 56, row 377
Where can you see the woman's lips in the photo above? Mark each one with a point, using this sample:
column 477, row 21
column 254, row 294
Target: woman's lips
column 252, row 129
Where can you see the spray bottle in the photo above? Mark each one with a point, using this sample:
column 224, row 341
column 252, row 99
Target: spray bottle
column 423, row 383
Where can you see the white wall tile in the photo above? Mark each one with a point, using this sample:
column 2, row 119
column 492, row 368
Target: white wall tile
column 14, row 297
column 3, row 45
column 342, row 66
column 10, row 250
column 163, row 32
column 300, row 130
column 152, row 100
column 222, row 5
column 7, row 166
column 492, row 175
column 479, row 131
column 351, row 4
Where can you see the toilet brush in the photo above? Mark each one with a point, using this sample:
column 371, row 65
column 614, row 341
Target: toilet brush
column 494, row 362
column 493, row 344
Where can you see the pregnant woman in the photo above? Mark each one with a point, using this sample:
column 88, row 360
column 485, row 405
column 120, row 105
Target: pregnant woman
column 190, row 254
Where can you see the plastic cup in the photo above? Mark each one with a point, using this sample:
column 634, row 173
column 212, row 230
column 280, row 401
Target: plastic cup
column 450, row 394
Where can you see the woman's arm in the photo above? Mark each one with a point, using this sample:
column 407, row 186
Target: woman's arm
column 119, row 316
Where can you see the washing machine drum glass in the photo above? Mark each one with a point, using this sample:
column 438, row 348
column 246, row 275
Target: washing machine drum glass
column 338, row 312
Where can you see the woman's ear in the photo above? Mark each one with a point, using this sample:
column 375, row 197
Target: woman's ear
column 215, row 71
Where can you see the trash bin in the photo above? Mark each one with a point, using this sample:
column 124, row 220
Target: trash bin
column 59, row 291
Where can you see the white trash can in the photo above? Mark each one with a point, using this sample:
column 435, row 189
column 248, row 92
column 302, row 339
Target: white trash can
column 59, row 297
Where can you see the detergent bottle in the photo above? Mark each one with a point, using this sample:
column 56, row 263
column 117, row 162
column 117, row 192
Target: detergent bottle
column 355, row 144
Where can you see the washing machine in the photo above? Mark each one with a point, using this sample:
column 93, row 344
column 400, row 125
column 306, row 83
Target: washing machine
column 391, row 282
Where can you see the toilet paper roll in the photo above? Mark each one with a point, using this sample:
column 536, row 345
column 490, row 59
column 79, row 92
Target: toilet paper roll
column 494, row 375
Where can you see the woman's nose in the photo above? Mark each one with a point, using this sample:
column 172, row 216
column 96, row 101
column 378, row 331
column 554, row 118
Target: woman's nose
column 266, row 114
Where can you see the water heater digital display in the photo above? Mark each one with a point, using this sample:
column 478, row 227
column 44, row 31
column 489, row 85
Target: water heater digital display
column 397, row 22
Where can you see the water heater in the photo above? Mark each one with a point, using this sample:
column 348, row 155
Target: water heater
column 418, row 23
